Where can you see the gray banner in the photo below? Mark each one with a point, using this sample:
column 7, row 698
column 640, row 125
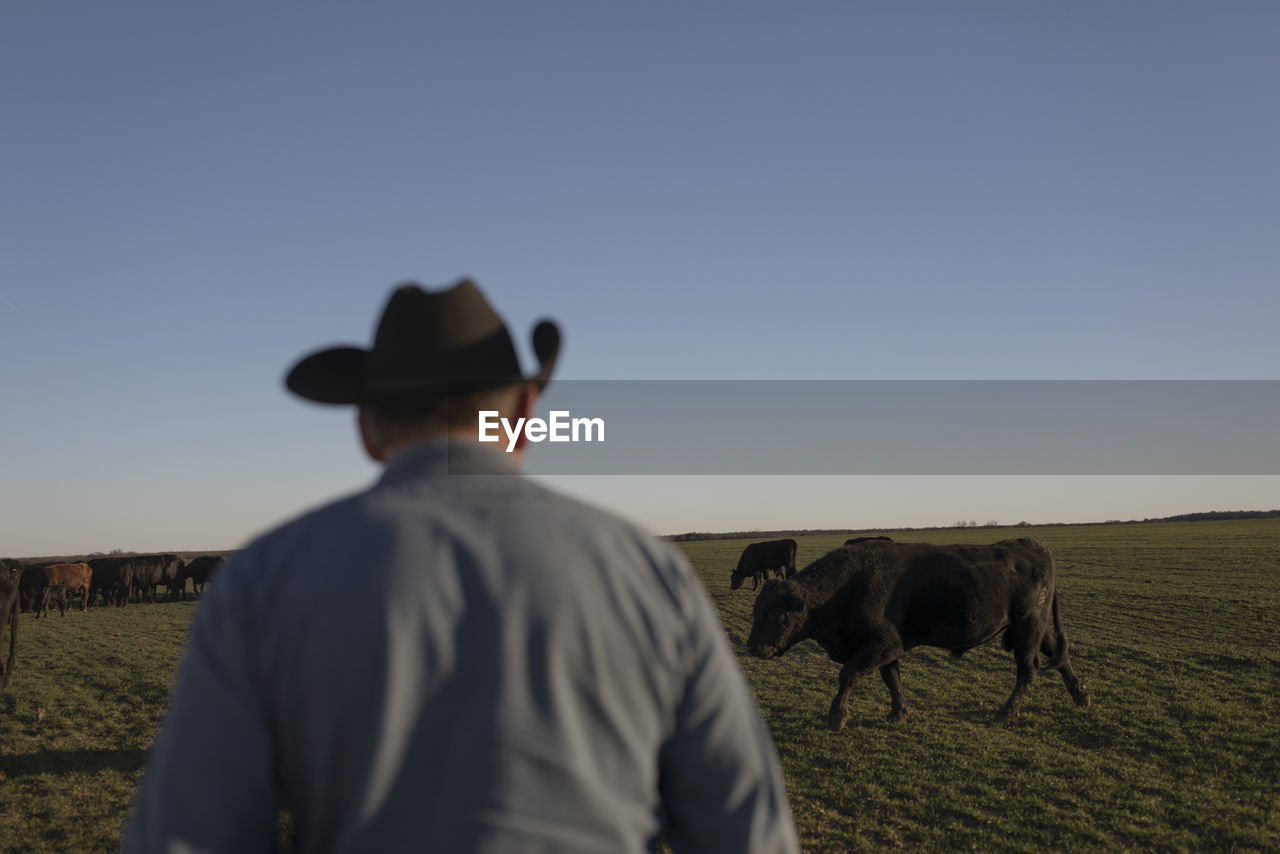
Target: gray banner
column 1138, row 427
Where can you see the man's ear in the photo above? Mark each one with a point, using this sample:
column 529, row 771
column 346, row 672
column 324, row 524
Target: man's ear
column 375, row 450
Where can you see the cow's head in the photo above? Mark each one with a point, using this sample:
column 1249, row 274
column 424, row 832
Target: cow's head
column 777, row 620
column 744, row 570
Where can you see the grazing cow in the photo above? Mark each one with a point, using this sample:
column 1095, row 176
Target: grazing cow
column 200, row 570
column 869, row 603
column 112, row 579
column 857, row 540
column 60, row 581
column 8, row 617
column 759, row 558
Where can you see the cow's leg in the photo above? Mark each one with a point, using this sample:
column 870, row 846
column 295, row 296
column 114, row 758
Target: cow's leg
column 1054, row 647
column 879, row 651
column 1026, row 634
column 889, row 673
column 1074, row 686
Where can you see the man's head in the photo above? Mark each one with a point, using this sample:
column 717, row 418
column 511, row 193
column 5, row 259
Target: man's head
column 438, row 358
column 386, row 427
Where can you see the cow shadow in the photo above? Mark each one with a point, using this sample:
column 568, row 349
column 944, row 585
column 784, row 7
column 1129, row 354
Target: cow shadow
column 15, row 765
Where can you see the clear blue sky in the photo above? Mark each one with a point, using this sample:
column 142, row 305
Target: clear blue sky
column 196, row 194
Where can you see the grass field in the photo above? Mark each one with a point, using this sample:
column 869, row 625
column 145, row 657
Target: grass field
column 1173, row 626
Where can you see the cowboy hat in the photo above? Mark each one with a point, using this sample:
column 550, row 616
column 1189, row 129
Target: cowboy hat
column 426, row 342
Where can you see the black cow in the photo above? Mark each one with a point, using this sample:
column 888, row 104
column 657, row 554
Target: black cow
column 55, row 596
column 857, row 540
column 9, row 616
column 758, row 559
column 150, row 571
column 31, row 585
column 869, row 603
column 112, row 579
column 200, row 570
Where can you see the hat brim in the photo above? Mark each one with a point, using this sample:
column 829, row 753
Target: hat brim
column 336, row 375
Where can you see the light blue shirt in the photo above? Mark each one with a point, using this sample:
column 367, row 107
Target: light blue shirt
column 460, row 660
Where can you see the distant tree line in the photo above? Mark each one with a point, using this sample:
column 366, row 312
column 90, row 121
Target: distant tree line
column 1209, row 516
column 1215, row 515
column 694, row 536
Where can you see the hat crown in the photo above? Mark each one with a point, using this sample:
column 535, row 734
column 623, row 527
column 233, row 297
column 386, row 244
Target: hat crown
column 452, row 334
column 447, row 319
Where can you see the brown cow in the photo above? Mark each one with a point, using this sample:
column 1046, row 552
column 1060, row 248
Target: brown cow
column 72, row 577
column 9, row 619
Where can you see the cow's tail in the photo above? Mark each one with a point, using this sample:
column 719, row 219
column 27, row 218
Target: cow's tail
column 1059, row 655
column 13, row 644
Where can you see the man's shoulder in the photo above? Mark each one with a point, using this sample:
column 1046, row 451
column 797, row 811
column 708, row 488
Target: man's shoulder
column 576, row 513
column 521, row 514
column 520, row 496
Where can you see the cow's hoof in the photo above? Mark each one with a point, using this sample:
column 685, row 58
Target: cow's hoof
column 836, row 721
column 1083, row 699
column 1006, row 716
column 897, row 716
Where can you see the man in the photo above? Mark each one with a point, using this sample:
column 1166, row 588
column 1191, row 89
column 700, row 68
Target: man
column 457, row 659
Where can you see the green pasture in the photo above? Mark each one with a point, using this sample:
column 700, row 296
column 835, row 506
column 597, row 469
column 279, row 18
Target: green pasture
column 88, row 691
column 1173, row 627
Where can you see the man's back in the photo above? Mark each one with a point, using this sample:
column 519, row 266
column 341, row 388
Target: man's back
column 462, row 662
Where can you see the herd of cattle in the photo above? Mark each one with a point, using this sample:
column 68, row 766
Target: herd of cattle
column 869, row 601
column 109, row 580
column 865, row 603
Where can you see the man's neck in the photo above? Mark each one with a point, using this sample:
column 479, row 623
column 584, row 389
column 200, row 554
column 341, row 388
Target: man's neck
column 457, row 435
